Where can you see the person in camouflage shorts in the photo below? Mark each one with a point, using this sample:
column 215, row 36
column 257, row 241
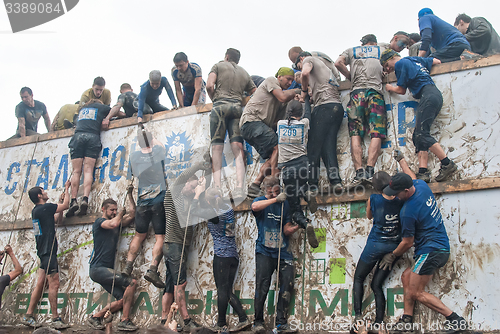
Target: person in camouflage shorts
column 366, row 108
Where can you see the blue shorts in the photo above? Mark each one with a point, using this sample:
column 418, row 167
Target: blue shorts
column 374, row 251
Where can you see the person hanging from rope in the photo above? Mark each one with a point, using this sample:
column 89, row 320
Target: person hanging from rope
column 270, row 211
column 44, row 217
column 178, row 237
column 9, row 277
column 221, row 223
column 293, row 162
column 106, row 233
column 148, row 165
column 384, row 237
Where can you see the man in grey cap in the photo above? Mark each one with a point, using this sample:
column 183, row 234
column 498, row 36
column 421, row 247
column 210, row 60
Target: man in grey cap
column 366, row 108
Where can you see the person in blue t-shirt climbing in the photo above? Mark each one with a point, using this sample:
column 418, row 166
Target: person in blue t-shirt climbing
column 414, row 73
column 445, row 38
column 422, row 226
column 384, row 237
column 150, row 92
column 272, row 216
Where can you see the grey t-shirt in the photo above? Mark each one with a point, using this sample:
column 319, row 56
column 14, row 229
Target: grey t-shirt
column 292, row 139
column 232, row 81
column 323, row 84
column 263, row 106
column 328, row 62
column 31, row 115
column 365, row 68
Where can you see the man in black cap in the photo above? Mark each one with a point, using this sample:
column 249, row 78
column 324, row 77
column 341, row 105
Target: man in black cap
column 422, row 225
column 413, row 73
column 366, row 112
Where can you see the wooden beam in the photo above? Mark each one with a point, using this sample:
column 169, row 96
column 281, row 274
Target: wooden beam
column 355, row 195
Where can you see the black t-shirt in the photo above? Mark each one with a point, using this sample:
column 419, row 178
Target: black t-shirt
column 31, row 115
column 105, row 242
column 129, row 102
column 44, row 228
column 91, row 117
column 4, row 282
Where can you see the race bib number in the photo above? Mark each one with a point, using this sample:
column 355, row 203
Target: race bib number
column 88, row 113
column 291, row 134
column 365, row 52
column 36, row 228
column 272, row 239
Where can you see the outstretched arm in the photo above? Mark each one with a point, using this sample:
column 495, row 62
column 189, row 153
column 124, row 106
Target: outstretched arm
column 129, row 217
column 212, row 78
column 18, row 269
column 342, row 67
column 400, row 158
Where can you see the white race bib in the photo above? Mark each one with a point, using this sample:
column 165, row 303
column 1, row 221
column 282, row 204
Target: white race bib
column 88, row 113
column 291, row 134
column 272, row 239
column 36, row 228
column 365, row 52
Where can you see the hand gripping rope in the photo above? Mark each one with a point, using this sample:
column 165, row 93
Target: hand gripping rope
column 276, row 291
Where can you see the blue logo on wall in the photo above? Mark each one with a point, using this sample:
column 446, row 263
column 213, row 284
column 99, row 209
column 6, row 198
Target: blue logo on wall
column 179, row 152
column 28, row 14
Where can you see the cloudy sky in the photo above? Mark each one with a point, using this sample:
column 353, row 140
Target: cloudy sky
column 124, row 40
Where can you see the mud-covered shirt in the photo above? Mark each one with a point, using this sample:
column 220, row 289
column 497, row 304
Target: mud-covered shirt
column 105, row 242
column 292, row 139
column 44, row 228
column 129, row 102
column 263, row 105
column 422, row 219
column 148, row 167
column 364, row 66
column 414, row 73
column 90, row 118
column 31, row 115
column 187, row 78
column 386, row 222
column 324, row 85
column 232, row 81
column 268, row 226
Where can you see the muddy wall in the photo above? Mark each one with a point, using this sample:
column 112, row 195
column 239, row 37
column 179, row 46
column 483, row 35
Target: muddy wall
column 467, row 127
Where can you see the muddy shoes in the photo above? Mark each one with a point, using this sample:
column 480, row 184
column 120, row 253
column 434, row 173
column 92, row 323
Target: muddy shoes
column 84, row 206
column 426, row 177
column 57, row 323
column 153, row 277
column 242, row 325
column 127, row 326
column 29, row 320
column 445, row 171
column 95, row 323
column 73, row 207
column 254, row 190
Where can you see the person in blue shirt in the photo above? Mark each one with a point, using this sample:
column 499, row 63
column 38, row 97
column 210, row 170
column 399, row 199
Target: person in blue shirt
column 414, row 73
column 270, row 211
column 189, row 75
column 151, row 90
column 422, row 226
column 445, row 38
column 384, row 237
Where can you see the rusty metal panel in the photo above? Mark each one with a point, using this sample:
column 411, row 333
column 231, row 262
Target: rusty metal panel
column 467, row 127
